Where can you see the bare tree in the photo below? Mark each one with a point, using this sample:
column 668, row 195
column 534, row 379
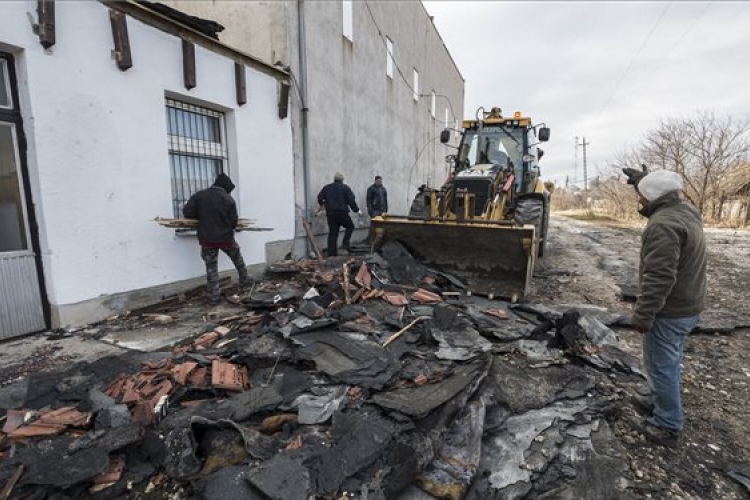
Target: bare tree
column 701, row 149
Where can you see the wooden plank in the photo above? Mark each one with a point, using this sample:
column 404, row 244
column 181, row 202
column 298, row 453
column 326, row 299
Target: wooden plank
column 284, row 100
column 188, row 64
column 311, row 239
column 11, row 483
column 240, row 83
column 46, row 29
column 123, row 56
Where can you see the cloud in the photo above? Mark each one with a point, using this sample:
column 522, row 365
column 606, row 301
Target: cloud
column 559, row 62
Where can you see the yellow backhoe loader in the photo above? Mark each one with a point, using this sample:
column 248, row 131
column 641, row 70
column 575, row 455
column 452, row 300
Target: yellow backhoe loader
column 488, row 224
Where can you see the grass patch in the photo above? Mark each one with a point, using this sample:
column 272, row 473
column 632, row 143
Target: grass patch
column 586, row 215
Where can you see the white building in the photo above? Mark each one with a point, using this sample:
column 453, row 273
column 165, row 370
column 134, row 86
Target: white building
column 379, row 83
column 91, row 150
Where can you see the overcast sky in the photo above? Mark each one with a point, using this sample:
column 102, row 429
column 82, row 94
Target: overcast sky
column 605, row 70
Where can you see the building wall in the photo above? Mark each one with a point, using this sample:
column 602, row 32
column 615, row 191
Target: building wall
column 98, row 157
column 361, row 122
column 364, row 123
column 258, row 28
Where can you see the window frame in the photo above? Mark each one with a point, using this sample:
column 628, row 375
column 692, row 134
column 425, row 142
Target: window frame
column 5, row 75
column 347, row 14
column 180, row 148
column 390, row 62
column 415, row 85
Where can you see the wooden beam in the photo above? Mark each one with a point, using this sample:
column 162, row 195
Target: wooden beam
column 46, row 28
column 168, row 25
column 284, row 100
column 240, row 83
column 188, row 64
column 123, row 56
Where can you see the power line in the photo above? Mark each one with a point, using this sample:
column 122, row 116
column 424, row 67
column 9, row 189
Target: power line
column 398, row 68
column 678, row 41
column 632, row 61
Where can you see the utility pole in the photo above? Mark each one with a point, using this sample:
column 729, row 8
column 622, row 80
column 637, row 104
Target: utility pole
column 585, row 171
column 575, row 164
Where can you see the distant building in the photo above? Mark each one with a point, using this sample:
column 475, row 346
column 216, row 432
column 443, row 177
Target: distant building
column 380, row 87
column 108, row 118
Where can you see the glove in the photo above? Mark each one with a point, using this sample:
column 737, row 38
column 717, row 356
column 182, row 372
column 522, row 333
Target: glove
column 360, row 213
column 634, row 176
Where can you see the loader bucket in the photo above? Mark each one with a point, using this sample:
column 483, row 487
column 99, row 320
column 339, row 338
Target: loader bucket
column 492, row 258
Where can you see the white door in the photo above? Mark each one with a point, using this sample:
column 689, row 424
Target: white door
column 21, row 309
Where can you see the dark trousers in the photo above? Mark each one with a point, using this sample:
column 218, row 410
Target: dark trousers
column 336, row 220
column 211, row 257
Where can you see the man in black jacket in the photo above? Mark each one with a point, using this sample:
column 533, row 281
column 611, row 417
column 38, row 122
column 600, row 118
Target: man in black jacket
column 377, row 203
column 377, row 198
column 217, row 217
column 337, row 198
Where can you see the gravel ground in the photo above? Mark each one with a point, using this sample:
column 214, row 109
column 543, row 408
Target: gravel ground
column 586, row 263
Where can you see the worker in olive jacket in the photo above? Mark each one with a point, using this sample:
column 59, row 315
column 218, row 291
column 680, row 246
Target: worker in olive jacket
column 672, row 289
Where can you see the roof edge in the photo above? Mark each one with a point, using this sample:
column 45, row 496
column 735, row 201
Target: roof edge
column 173, row 27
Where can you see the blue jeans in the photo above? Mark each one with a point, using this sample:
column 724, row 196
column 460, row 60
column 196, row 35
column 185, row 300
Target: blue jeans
column 662, row 355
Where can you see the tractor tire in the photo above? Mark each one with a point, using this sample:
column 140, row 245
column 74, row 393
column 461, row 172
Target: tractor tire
column 545, row 228
column 531, row 210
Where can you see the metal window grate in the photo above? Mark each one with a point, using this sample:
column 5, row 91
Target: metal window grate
column 197, row 149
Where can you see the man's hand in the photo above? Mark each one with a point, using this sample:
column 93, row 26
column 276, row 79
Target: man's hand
column 634, row 175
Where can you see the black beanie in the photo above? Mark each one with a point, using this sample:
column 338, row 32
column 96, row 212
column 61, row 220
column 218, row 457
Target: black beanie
column 223, row 181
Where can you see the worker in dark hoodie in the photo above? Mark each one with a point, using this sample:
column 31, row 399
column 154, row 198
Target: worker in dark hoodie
column 672, row 289
column 217, row 217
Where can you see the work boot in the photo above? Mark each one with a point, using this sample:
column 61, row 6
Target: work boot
column 247, row 283
column 642, row 404
column 658, row 435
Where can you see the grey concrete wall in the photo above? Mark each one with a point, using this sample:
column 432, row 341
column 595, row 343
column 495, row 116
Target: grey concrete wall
column 364, row 123
column 361, row 122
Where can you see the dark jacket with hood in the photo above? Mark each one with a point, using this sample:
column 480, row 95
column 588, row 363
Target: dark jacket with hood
column 216, row 212
column 672, row 274
column 377, row 199
column 337, row 197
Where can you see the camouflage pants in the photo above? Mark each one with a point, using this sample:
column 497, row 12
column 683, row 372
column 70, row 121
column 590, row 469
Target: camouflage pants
column 211, row 258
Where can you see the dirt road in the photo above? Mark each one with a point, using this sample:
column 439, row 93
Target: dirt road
column 586, row 263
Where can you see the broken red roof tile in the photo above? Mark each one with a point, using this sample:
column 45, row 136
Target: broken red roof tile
column 36, row 429
column 199, row 377
column 13, row 420
column 142, row 413
column 421, row 379
column 67, row 416
column 424, row 297
column 163, row 390
column 225, row 375
column 113, row 473
column 181, row 372
column 206, row 340
column 395, row 299
column 373, row 294
column 358, row 295
column 497, row 313
column 363, row 277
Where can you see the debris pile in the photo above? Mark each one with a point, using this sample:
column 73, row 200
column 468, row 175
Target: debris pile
column 371, row 378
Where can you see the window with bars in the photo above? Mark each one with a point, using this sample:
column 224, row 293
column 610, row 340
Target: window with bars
column 197, row 149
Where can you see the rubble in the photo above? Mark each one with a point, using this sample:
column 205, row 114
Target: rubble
column 376, row 377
